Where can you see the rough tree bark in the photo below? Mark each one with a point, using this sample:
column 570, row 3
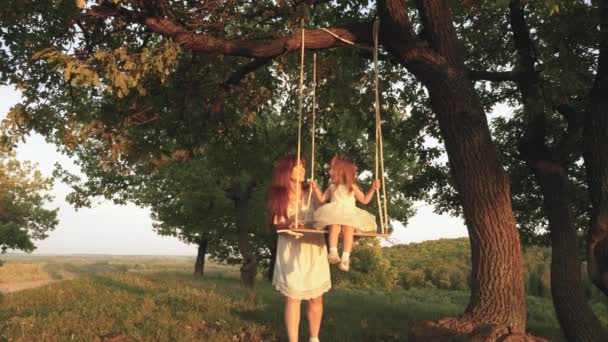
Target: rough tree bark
column 249, row 267
column 549, row 165
column 497, row 307
column 596, row 162
column 199, row 265
column 273, row 258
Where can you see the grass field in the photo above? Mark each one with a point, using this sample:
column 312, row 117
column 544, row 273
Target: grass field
column 158, row 299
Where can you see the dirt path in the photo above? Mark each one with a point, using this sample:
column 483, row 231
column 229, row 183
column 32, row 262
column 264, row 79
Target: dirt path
column 14, row 287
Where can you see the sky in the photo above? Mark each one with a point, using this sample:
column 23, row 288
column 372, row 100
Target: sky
column 107, row 228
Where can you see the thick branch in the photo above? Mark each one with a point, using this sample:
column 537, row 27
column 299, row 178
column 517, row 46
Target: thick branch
column 533, row 147
column 569, row 145
column 267, row 48
column 521, row 35
column 494, row 76
column 398, row 35
column 234, row 80
column 439, row 29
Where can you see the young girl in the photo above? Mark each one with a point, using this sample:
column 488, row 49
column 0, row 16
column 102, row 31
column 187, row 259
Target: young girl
column 341, row 215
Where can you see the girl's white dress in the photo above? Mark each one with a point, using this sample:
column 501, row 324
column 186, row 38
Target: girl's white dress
column 342, row 211
column 301, row 270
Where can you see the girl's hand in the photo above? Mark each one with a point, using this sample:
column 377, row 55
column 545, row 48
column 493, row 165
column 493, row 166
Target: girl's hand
column 376, row 184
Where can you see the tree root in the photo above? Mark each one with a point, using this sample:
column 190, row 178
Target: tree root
column 460, row 329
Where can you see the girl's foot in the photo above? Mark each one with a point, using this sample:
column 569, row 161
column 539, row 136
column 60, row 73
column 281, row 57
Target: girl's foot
column 333, row 258
column 344, row 265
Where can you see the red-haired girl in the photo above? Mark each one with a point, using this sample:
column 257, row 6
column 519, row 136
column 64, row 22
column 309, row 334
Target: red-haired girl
column 342, row 215
column 301, row 271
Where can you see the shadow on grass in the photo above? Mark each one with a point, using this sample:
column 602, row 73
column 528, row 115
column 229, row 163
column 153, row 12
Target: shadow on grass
column 53, row 270
column 100, row 267
column 118, row 285
column 348, row 316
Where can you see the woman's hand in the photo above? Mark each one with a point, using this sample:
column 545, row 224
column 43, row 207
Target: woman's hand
column 289, row 231
column 296, row 235
column 313, row 184
column 293, row 225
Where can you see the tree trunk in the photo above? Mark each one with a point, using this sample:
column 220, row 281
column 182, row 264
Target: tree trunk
column 249, row 268
column 549, row 167
column 576, row 318
column 596, row 163
column 273, row 258
column 497, row 293
column 199, row 265
column 497, row 306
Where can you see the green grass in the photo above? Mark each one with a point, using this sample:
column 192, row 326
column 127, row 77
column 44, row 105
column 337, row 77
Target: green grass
column 159, row 300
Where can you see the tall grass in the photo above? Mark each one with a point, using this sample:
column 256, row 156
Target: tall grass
column 132, row 300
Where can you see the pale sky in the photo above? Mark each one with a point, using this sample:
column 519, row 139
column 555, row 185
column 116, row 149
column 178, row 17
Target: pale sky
column 111, row 229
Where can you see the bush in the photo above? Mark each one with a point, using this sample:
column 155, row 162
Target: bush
column 369, row 268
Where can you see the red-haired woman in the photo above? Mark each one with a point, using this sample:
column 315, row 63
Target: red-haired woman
column 301, row 271
column 342, row 215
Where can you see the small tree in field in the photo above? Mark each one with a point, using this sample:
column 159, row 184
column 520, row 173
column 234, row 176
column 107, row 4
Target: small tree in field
column 23, row 195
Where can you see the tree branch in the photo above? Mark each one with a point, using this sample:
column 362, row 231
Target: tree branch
column 266, row 48
column 493, row 76
column 398, row 35
column 234, row 80
column 533, row 145
column 439, row 29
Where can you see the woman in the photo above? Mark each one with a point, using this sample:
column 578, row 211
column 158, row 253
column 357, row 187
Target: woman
column 301, row 271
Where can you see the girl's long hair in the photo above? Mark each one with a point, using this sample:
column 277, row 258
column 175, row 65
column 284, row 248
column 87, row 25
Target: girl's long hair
column 343, row 172
column 277, row 196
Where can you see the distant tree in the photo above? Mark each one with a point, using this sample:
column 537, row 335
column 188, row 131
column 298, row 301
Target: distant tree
column 24, row 193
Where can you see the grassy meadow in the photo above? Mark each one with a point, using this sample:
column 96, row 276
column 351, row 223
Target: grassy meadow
column 158, row 299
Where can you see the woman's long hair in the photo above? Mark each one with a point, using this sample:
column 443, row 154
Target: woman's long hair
column 277, row 196
column 343, row 172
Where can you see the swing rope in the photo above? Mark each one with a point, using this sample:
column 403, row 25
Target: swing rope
column 379, row 141
column 314, row 119
column 344, row 40
column 379, row 146
column 300, row 124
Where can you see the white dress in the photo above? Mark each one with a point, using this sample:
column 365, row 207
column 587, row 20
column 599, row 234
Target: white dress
column 342, row 211
column 301, row 270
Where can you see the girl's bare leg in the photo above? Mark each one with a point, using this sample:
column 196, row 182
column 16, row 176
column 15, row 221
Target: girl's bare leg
column 292, row 318
column 347, row 244
column 314, row 315
column 347, row 238
column 334, row 232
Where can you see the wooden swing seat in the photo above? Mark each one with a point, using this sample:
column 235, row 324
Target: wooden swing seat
column 307, row 230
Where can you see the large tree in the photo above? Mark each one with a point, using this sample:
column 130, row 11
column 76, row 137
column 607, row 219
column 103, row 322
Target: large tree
column 128, row 49
column 596, row 159
column 545, row 69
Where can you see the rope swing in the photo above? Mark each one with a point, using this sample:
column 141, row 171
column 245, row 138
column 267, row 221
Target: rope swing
column 382, row 199
column 379, row 140
column 300, row 122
